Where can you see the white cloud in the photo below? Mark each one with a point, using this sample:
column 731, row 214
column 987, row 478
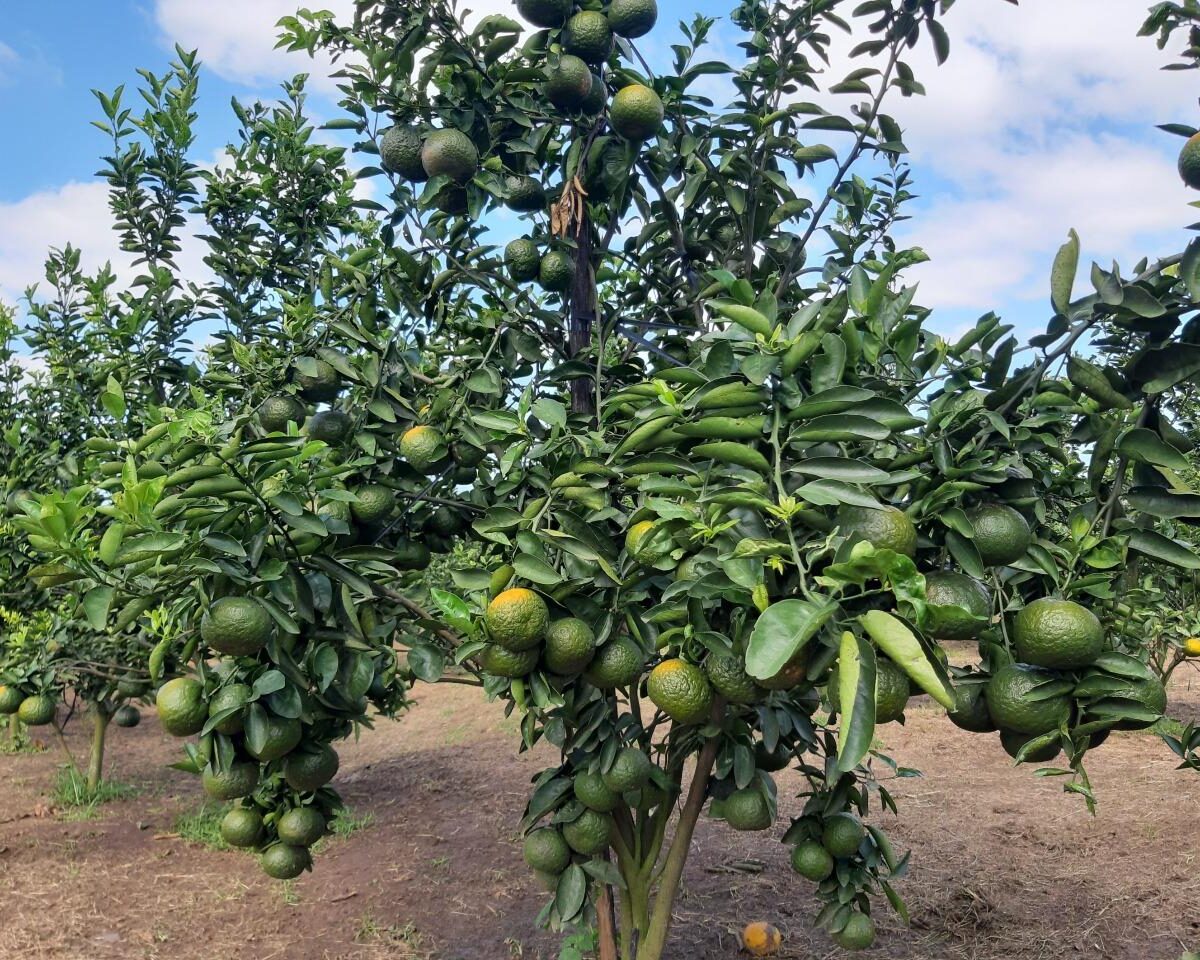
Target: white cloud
column 236, row 38
column 75, row 214
column 8, row 59
column 1032, row 127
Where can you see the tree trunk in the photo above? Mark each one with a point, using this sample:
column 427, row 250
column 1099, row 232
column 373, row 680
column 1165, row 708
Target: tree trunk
column 606, row 932
column 100, row 718
column 582, row 314
column 14, row 730
column 651, row 948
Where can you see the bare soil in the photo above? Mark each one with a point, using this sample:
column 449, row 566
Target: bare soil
column 1005, row 865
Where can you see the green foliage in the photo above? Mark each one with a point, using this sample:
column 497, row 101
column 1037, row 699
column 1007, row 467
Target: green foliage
column 719, row 432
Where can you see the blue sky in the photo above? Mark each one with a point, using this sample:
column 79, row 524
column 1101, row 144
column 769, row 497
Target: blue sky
column 1043, row 119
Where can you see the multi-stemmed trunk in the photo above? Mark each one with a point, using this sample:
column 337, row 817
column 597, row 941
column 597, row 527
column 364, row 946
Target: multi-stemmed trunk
column 651, row 883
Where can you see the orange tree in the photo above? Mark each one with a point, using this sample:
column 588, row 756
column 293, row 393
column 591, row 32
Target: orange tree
column 743, row 476
column 721, row 469
column 31, row 447
column 316, row 441
column 114, row 357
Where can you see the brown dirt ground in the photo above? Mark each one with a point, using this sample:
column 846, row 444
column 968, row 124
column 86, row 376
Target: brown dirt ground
column 1004, row 865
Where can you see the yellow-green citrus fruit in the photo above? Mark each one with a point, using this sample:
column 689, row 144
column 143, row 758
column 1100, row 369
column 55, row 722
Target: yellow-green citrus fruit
column 1057, row 633
column 181, row 707
column 278, row 411
column 36, row 711
column 466, row 454
column 965, row 605
column 500, row 662
column 285, row 861
column 1000, row 533
column 616, row 664
column 522, row 259
column 400, row 153
column 525, row 194
column 970, row 709
column 791, row 674
column 556, row 271
column 690, row 568
column 1012, row 742
column 237, row 626
column 568, row 82
column 445, row 521
column 681, row 690
column 589, row 833
column 374, row 504
column 1191, row 646
column 545, row 850
column 322, row 386
column 646, row 544
column 1189, row 162
column 630, row 770
column 812, row 861
column 422, row 447
column 842, row 834
column 636, row 112
column 10, row 699
column 891, row 691
column 544, row 13
column 887, row 528
column 235, row 696
column 331, row 426
column 570, row 646
column 410, row 555
column 242, row 827
column 591, row 790
column 301, row 826
column 1011, row 706
column 127, row 716
column 282, row 737
column 308, row 770
column 588, row 36
column 761, row 939
column 632, row 18
column 131, row 685
column 449, row 153
column 238, row 780
column 597, row 97
column 729, row 678
column 771, row 761
column 516, row 619
column 857, row 934
column 747, row 809
column 451, row 199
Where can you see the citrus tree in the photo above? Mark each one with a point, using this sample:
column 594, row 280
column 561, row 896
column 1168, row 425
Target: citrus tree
column 110, row 359
column 30, row 447
column 744, row 477
column 311, row 455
